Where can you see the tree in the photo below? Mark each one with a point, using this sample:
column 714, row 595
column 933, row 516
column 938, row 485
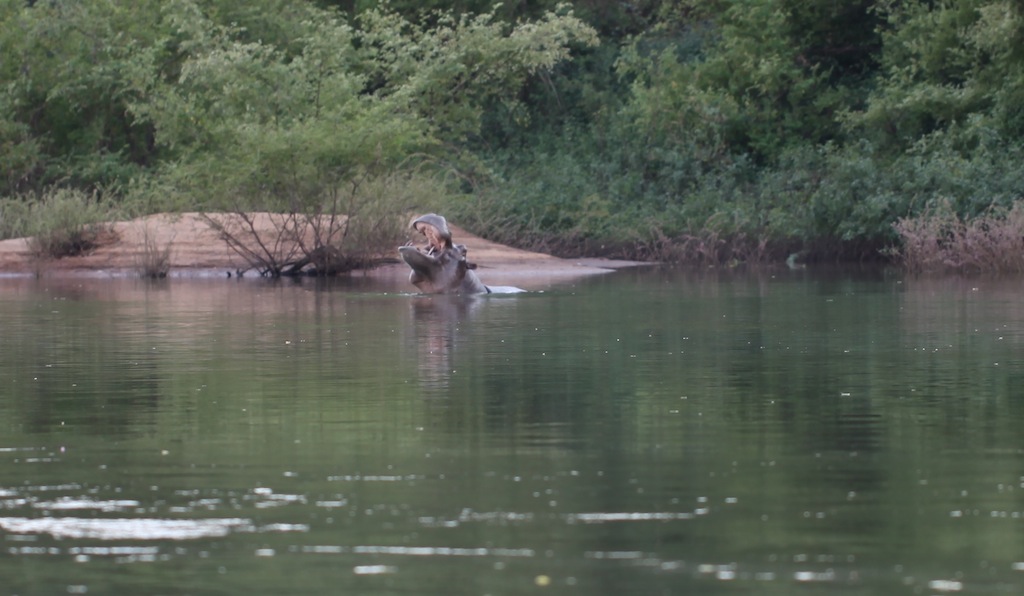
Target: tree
column 754, row 77
column 64, row 92
column 309, row 127
column 947, row 67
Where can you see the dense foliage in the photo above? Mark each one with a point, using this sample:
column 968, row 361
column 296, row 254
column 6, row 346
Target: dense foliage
column 685, row 129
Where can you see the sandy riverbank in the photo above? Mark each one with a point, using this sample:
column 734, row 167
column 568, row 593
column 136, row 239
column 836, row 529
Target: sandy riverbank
column 196, row 250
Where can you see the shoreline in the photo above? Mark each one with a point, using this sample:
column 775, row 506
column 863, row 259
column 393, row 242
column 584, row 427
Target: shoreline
column 197, row 251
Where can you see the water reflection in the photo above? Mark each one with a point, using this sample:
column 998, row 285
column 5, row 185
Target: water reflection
column 437, row 321
column 124, row 529
column 651, row 431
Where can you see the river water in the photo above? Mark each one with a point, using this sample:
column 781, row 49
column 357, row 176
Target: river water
column 650, row 431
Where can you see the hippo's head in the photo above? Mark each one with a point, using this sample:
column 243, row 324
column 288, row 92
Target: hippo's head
column 444, row 271
column 435, row 228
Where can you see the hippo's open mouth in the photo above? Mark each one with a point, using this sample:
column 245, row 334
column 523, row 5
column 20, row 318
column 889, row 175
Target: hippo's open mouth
column 418, row 259
column 441, row 266
column 444, row 271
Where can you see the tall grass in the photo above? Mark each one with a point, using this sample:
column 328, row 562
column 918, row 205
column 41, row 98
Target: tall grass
column 14, row 218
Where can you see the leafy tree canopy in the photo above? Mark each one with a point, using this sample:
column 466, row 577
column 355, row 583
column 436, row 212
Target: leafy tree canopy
column 804, row 123
column 97, row 90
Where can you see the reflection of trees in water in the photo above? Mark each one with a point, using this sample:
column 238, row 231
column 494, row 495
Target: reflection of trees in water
column 505, row 377
column 961, row 360
column 121, row 357
column 866, row 381
column 799, row 376
column 84, row 362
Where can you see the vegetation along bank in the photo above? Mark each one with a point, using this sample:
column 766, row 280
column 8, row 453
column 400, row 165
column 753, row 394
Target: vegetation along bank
column 719, row 132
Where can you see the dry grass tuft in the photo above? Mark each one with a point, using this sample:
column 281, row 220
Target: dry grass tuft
column 155, row 259
column 941, row 240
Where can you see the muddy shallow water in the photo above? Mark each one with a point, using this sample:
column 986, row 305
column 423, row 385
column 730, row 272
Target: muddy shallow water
column 646, row 431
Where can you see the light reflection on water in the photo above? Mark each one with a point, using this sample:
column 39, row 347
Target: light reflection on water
column 650, row 431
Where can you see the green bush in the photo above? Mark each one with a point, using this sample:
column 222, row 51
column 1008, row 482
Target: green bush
column 66, row 222
column 722, row 131
column 14, row 218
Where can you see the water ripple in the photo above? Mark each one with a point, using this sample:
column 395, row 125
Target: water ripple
column 421, row 551
column 598, row 518
column 125, row 529
column 73, row 503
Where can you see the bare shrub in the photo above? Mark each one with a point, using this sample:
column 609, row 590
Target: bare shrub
column 355, row 226
column 941, row 240
column 716, row 243
column 155, row 259
column 265, row 241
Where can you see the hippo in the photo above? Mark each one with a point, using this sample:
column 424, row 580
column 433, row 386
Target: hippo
column 444, row 271
column 441, row 266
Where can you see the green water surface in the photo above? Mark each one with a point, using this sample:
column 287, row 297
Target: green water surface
column 650, row 431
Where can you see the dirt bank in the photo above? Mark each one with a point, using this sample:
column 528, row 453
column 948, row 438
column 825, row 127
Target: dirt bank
column 196, row 250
